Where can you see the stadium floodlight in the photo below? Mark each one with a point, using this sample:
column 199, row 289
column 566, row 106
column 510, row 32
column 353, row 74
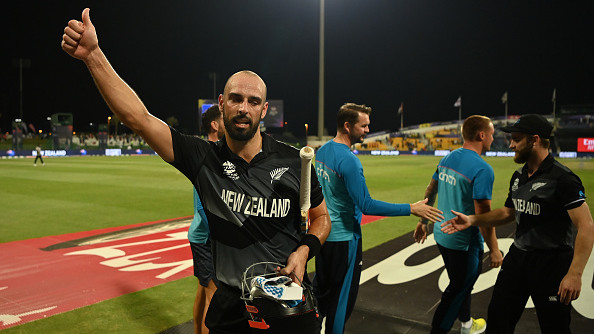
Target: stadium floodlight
column 321, row 76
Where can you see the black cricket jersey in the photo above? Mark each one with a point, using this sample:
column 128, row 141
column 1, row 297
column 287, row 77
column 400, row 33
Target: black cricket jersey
column 541, row 203
column 252, row 209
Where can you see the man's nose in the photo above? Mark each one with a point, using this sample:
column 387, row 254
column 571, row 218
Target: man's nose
column 243, row 107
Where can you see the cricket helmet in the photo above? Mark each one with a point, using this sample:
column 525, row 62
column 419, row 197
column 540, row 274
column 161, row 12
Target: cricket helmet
column 264, row 301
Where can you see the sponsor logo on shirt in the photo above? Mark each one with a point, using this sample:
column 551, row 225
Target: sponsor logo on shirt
column 447, row 178
column 526, row 207
column 582, row 195
column 229, row 170
column 276, row 173
column 322, row 174
column 256, row 206
column 537, row 185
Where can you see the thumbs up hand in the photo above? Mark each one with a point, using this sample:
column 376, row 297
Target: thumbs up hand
column 80, row 38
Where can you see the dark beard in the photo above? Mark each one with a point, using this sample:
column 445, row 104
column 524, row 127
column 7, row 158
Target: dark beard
column 240, row 134
column 356, row 140
column 522, row 156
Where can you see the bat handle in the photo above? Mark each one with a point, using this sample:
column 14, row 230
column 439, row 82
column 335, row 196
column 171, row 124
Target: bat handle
column 304, row 224
column 306, row 154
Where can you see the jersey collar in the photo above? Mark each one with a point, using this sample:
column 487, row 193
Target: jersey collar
column 269, row 145
column 545, row 166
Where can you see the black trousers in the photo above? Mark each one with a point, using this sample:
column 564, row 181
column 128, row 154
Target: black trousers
column 534, row 274
column 464, row 268
column 336, row 283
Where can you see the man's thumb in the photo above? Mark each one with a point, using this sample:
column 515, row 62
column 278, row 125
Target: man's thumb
column 86, row 18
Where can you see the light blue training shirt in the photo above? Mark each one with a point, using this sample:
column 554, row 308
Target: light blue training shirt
column 198, row 231
column 340, row 174
column 462, row 176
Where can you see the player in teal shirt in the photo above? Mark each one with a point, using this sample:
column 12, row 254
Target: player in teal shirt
column 340, row 173
column 463, row 182
column 199, row 233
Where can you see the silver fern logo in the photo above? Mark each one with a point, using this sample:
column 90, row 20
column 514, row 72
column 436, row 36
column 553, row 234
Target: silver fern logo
column 276, row 173
column 537, row 185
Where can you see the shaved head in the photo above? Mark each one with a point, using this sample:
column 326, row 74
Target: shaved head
column 243, row 104
column 243, row 75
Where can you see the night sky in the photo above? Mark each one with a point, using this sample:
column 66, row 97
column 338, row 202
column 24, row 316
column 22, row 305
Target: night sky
column 378, row 52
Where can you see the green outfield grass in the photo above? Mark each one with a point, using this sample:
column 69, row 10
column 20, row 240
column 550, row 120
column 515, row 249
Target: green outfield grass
column 86, row 193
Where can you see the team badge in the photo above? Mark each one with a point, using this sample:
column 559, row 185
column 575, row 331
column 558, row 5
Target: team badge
column 516, row 183
column 229, row 170
column 537, row 185
column 276, row 173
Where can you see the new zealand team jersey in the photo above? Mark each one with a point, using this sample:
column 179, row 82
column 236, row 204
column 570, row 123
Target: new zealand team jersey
column 541, row 203
column 462, row 176
column 252, row 209
column 341, row 174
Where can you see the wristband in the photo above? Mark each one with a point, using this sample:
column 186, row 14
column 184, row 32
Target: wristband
column 313, row 243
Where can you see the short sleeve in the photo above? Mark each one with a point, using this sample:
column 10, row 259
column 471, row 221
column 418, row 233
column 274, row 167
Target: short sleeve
column 482, row 185
column 570, row 191
column 189, row 152
column 508, row 202
column 316, row 197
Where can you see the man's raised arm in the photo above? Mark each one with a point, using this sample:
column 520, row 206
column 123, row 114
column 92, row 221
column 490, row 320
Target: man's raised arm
column 80, row 41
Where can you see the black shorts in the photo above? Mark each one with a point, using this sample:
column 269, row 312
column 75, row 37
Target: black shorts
column 203, row 267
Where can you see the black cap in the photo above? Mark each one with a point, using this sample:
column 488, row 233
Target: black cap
column 531, row 124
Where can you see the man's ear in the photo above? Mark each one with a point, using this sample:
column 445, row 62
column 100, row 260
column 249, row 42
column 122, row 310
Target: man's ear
column 535, row 139
column 221, row 102
column 264, row 110
column 346, row 127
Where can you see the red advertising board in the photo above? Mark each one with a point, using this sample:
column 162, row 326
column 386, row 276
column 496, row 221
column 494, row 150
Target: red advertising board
column 585, row 145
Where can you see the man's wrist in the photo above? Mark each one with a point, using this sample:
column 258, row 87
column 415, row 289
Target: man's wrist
column 313, row 243
column 95, row 58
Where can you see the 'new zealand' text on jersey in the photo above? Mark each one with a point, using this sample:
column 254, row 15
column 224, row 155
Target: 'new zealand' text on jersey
column 541, row 203
column 462, row 176
column 252, row 209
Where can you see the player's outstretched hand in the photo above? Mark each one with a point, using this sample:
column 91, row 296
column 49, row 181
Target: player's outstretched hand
column 458, row 223
column 421, row 209
column 80, row 38
column 420, row 233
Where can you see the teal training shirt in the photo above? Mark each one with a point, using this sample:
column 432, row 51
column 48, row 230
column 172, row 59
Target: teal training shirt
column 340, row 174
column 198, row 231
column 462, row 176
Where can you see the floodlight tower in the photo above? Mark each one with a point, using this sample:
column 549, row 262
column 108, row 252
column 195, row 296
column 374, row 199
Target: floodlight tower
column 321, row 76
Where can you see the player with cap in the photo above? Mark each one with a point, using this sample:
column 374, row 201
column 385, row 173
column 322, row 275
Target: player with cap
column 547, row 259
